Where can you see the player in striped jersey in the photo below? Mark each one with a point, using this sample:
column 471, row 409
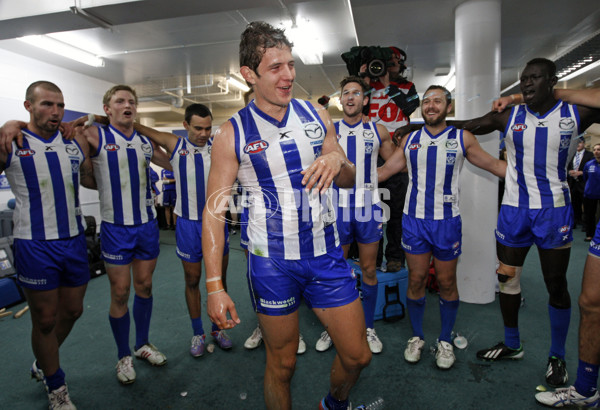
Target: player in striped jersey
column 284, row 151
column 191, row 158
column 359, row 215
column 44, row 172
column 584, row 392
column 129, row 231
column 536, row 208
column 431, row 223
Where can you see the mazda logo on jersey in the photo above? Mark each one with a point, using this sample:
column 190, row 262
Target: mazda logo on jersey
column 183, row 152
column 519, row 127
column 72, row 150
column 413, row 147
column 147, row 148
column 111, row 147
column 24, row 152
column 566, row 124
column 209, row 149
column 313, row 131
column 368, row 134
column 451, row 144
column 256, row 147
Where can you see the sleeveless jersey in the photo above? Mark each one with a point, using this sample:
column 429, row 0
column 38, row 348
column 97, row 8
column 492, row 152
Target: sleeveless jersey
column 537, row 148
column 121, row 168
column 44, row 177
column 361, row 143
column 191, row 164
column 283, row 220
column 165, row 173
column 434, row 164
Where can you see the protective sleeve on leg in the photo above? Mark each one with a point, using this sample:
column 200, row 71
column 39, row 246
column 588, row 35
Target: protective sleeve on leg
column 512, row 284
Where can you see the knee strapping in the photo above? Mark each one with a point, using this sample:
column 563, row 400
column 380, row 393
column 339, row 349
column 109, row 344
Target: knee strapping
column 512, row 284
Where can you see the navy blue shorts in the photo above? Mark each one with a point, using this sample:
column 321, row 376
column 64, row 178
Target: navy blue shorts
column 278, row 285
column 47, row 265
column 188, row 236
column 121, row 244
column 548, row 228
column 442, row 237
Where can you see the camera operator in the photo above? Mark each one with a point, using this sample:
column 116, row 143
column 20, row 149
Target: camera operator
column 393, row 100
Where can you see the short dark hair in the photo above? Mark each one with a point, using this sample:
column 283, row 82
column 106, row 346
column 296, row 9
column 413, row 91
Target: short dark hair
column 46, row 85
column 444, row 89
column 200, row 110
column 548, row 64
column 355, row 79
column 113, row 90
column 256, row 39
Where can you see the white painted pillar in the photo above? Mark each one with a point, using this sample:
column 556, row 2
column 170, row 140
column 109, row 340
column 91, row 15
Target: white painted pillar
column 477, row 49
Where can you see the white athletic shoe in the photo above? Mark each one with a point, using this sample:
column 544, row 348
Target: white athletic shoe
column 254, row 340
column 36, row 372
column 301, row 345
column 60, row 400
column 444, row 357
column 374, row 343
column 125, row 370
column 567, row 396
column 324, row 342
column 150, row 353
column 412, row 353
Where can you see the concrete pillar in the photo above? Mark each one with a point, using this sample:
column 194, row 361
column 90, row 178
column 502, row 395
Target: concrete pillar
column 477, row 49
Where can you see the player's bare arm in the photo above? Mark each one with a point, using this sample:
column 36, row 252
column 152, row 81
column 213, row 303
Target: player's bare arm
column 10, row 131
column 394, row 164
column 387, row 147
column 222, row 175
column 481, row 158
column 165, row 139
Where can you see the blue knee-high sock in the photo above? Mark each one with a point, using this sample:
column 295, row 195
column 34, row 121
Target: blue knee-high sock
column 56, row 380
column 142, row 312
column 369, row 301
column 512, row 338
column 416, row 312
column 559, row 327
column 120, row 329
column 334, row 404
column 448, row 311
column 587, row 378
column 197, row 326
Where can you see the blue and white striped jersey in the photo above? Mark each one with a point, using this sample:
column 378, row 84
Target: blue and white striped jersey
column 283, row 220
column 191, row 164
column 44, row 177
column 361, row 143
column 537, row 148
column 434, row 163
column 121, row 168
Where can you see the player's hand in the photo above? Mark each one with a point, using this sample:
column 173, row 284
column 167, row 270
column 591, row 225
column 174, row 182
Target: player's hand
column 321, row 173
column 399, row 133
column 217, row 307
column 366, row 119
column 501, row 103
column 10, row 132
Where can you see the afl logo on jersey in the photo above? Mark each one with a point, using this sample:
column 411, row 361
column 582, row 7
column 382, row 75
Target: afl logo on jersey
column 71, row 150
column 313, row 131
column 256, row 147
column 564, row 229
column 566, row 124
column 519, row 127
column 25, row 152
column 183, row 152
column 368, row 134
column 111, row 147
column 413, row 147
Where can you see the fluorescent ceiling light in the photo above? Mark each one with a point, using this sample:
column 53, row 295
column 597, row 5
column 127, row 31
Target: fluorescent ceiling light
column 63, row 49
column 237, row 83
column 579, row 71
column 306, row 43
